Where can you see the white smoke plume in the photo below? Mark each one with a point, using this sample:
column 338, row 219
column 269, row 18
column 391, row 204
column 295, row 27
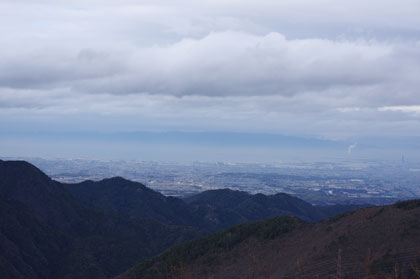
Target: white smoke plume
column 351, row 147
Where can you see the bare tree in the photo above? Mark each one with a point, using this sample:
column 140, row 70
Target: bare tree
column 339, row 274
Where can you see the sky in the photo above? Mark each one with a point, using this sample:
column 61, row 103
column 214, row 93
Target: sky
column 127, row 78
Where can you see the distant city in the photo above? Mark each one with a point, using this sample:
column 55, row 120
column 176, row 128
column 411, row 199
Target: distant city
column 320, row 183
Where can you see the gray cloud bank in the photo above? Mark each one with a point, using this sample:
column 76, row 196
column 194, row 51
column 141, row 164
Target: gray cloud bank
column 317, row 68
column 224, row 64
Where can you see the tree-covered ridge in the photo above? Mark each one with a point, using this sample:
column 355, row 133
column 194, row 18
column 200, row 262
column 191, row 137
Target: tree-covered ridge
column 182, row 254
column 47, row 233
column 211, row 210
column 374, row 242
column 100, row 229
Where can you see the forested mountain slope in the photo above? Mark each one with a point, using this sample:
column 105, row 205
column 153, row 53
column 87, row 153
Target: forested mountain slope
column 47, row 233
column 375, row 242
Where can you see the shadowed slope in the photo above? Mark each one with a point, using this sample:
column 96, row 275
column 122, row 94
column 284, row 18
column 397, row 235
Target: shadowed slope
column 46, row 233
column 132, row 199
column 211, row 210
column 379, row 242
column 256, row 207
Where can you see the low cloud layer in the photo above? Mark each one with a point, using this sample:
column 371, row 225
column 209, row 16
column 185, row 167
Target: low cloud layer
column 224, row 64
column 231, row 66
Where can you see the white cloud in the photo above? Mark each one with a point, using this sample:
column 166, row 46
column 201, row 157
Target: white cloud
column 406, row 109
column 324, row 68
column 226, row 63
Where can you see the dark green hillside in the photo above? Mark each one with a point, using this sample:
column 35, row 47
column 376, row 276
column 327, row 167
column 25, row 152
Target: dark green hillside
column 244, row 206
column 375, row 242
column 136, row 200
column 46, row 233
column 211, row 247
column 99, row 229
column 210, row 210
column 132, row 199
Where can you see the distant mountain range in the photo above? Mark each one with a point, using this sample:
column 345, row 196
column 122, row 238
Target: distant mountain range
column 210, row 210
column 246, row 207
column 100, row 229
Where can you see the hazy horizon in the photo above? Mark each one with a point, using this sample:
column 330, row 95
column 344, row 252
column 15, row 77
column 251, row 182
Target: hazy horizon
column 204, row 146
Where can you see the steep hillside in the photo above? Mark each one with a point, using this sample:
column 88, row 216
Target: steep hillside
column 244, row 206
column 132, row 199
column 210, row 210
column 46, row 233
column 256, row 207
column 136, row 200
column 99, row 229
column 377, row 242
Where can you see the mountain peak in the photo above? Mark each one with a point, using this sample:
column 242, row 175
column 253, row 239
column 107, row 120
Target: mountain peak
column 116, row 179
column 20, row 179
column 46, row 232
column 19, row 168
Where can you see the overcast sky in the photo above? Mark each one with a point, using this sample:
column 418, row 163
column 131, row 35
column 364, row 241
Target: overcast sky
column 325, row 69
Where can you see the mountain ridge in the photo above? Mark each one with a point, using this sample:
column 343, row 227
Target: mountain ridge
column 210, row 210
column 47, row 233
column 99, row 229
column 376, row 242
